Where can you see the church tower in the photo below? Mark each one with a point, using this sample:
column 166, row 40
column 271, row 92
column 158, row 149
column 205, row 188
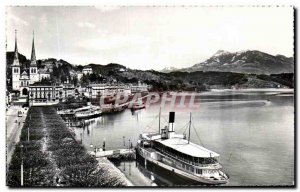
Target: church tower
column 16, row 72
column 33, row 72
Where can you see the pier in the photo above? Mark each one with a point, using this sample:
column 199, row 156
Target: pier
column 115, row 154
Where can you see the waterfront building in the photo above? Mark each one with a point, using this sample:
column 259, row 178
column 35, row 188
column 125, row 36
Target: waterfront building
column 87, row 70
column 40, row 95
column 96, row 90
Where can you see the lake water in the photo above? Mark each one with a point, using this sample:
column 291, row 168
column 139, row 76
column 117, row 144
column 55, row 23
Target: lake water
column 252, row 130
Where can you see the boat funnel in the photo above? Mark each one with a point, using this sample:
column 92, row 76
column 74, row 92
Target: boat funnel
column 171, row 121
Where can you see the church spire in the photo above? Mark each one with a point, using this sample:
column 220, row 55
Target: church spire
column 16, row 54
column 33, row 58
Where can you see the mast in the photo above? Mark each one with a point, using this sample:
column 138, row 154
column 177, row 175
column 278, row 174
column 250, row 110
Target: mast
column 190, row 128
column 159, row 120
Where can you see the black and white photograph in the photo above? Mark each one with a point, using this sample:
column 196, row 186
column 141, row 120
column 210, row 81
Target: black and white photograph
column 149, row 96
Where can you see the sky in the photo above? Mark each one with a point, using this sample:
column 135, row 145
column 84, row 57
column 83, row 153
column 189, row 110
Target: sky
column 147, row 37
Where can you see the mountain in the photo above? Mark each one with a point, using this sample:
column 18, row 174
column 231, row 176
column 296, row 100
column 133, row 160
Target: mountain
column 255, row 62
column 168, row 69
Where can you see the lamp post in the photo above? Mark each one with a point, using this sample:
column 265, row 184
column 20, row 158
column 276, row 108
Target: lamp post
column 103, row 145
column 27, row 132
column 49, row 94
column 31, row 98
column 22, row 165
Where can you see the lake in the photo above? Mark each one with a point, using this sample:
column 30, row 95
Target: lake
column 252, row 130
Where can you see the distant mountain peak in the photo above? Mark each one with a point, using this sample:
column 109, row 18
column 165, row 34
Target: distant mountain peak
column 168, row 69
column 220, row 52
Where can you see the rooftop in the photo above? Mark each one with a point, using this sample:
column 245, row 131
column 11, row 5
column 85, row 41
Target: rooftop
column 192, row 149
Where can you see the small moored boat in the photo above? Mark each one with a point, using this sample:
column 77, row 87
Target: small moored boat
column 139, row 104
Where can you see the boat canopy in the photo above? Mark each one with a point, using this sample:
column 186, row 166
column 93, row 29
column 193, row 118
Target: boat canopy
column 181, row 145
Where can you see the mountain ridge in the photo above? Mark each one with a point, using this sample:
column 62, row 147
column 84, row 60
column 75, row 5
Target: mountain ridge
column 248, row 61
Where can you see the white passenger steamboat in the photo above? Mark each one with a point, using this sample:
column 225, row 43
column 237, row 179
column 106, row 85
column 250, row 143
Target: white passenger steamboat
column 178, row 155
column 88, row 112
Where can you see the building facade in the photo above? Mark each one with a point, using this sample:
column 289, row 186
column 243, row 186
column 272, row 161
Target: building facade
column 41, row 95
column 104, row 90
column 22, row 80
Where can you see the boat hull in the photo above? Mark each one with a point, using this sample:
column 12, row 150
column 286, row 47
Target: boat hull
column 137, row 108
column 179, row 173
column 87, row 116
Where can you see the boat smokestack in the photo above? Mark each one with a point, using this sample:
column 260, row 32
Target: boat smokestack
column 171, row 121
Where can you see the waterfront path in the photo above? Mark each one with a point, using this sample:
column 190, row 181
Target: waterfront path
column 14, row 125
column 113, row 171
column 52, row 157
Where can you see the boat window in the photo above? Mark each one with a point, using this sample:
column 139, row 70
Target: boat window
column 187, row 167
column 199, row 171
column 192, row 169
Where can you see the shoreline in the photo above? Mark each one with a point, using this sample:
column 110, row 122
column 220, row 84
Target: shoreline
column 105, row 162
column 107, row 165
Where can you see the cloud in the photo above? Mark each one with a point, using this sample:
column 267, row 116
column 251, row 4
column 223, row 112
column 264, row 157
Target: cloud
column 18, row 20
column 86, row 25
column 113, row 42
column 43, row 19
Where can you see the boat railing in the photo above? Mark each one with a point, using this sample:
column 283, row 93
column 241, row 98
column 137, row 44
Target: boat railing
column 189, row 162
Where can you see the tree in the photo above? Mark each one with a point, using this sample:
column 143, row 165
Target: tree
column 85, row 80
column 75, row 80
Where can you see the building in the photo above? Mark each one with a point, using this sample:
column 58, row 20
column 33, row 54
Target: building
column 48, row 65
column 68, row 90
column 44, row 74
column 139, row 88
column 21, row 81
column 87, row 70
column 104, row 90
column 79, row 75
column 40, row 95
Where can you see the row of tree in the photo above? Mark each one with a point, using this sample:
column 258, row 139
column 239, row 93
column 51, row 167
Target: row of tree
column 52, row 157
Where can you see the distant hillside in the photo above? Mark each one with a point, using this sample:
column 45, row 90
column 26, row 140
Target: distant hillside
column 106, row 69
column 255, row 62
column 177, row 80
